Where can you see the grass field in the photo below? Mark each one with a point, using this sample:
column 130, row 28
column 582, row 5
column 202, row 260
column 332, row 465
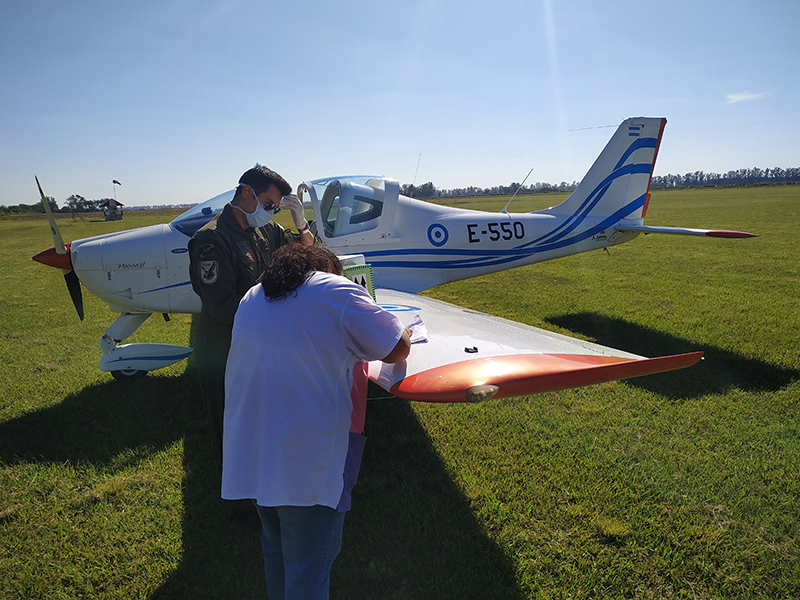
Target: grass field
column 680, row 485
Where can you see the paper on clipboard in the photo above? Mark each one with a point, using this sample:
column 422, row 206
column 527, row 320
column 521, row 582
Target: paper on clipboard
column 419, row 333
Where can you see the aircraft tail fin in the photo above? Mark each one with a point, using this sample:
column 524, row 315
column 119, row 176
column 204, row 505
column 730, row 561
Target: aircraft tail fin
column 617, row 184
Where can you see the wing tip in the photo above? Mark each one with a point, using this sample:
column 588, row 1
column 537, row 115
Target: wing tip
column 724, row 233
column 524, row 374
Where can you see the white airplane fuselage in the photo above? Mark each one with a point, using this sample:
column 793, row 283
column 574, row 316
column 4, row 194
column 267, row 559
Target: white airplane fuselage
column 147, row 269
column 412, row 245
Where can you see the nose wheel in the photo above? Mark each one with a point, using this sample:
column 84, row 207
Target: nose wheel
column 133, row 361
column 128, row 374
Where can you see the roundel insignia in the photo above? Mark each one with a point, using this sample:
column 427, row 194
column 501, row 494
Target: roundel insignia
column 399, row 307
column 437, row 235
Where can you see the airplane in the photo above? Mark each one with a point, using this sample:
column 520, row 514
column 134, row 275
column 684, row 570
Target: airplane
column 407, row 245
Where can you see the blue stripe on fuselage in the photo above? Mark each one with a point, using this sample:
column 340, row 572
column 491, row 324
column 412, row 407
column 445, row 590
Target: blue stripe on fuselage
column 491, row 257
column 167, row 287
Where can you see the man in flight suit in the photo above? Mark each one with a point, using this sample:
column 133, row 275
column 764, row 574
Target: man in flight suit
column 226, row 257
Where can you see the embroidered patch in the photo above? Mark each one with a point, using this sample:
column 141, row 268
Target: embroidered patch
column 208, row 271
column 206, row 251
column 247, row 251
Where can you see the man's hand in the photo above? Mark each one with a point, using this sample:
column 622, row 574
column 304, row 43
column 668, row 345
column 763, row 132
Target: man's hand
column 293, row 203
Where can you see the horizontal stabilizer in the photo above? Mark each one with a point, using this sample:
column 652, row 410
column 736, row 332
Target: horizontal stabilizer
column 718, row 233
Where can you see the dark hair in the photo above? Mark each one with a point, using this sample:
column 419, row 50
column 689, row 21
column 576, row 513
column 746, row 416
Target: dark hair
column 260, row 178
column 291, row 265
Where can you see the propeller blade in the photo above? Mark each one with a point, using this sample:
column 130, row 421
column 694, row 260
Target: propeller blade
column 58, row 256
column 58, row 242
column 74, row 287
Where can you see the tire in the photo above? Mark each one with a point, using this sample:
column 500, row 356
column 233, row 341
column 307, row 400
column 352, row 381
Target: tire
column 128, row 374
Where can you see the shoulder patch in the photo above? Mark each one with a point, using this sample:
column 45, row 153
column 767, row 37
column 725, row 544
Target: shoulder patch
column 206, row 251
column 208, row 271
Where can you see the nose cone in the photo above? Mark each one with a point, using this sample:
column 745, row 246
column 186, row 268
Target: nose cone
column 51, row 258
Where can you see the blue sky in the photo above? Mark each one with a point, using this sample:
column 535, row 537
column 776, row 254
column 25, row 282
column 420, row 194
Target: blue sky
column 176, row 98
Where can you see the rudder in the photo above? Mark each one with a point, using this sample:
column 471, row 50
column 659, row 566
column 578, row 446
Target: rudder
column 617, row 183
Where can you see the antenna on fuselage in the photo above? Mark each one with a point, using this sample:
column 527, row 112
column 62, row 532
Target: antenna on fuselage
column 597, row 127
column 413, row 183
column 519, row 187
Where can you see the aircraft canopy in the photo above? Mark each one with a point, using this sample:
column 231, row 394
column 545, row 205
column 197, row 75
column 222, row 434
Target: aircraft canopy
column 194, row 218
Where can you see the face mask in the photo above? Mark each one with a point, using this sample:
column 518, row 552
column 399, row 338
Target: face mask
column 260, row 216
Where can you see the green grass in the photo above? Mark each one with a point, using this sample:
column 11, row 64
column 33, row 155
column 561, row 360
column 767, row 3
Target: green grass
column 680, row 485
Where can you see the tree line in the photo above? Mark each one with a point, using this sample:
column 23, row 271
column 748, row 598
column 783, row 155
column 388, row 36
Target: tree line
column 739, row 177
column 74, row 204
column 754, row 176
column 428, row 190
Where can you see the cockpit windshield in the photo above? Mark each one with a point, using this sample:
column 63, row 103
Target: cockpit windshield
column 348, row 204
column 373, row 181
column 194, row 218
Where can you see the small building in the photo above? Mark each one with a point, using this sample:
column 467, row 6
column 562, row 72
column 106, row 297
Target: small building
column 111, row 210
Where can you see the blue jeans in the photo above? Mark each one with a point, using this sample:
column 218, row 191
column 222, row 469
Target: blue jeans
column 300, row 544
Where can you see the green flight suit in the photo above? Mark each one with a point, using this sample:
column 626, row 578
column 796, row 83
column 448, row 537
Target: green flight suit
column 225, row 262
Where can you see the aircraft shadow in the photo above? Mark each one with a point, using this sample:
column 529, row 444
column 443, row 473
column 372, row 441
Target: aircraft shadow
column 411, row 526
column 720, row 370
column 411, row 533
column 98, row 424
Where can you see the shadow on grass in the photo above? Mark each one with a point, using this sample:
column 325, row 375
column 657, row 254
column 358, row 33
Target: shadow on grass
column 115, row 426
column 720, row 370
column 410, row 535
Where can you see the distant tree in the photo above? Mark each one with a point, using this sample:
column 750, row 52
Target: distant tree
column 29, row 208
column 51, row 201
column 426, row 190
column 77, row 203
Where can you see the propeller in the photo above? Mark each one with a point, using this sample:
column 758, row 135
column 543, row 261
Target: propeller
column 58, row 256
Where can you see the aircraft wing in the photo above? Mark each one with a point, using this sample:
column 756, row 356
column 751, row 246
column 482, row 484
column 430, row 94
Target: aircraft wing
column 471, row 356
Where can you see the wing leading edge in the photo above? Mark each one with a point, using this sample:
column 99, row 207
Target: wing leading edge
column 472, row 356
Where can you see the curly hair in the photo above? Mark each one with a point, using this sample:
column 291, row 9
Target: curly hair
column 291, row 265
